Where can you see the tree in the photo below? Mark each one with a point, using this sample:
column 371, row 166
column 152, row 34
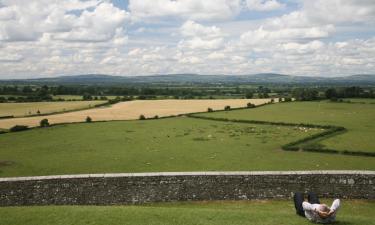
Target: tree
column 249, row 95
column 331, row 93
column 142, row 117
column 44, row 123
column 17, row 128
column 227, row 108
column 88, row 119
column 87, row 97
column 250, row 105
column 210, row 110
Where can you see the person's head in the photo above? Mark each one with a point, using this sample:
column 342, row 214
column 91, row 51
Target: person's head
column 324, row 208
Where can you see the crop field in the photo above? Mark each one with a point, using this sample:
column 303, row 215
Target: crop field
column 172, row 144
column 29, row 109
column 358, row 119
column 131, row 110
column 218, row 213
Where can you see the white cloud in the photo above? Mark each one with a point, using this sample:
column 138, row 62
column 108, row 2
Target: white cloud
column 22, row 20
column 216, row 56
column 193, row 29
column 264, row 5
column 200, row 37
column 186, row 9
column 339, row 11
column 49, row 38
column 261, row 36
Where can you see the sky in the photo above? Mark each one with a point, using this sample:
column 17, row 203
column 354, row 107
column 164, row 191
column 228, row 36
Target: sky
column 47, row 38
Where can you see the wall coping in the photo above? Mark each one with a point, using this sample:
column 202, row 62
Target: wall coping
column 213, row 173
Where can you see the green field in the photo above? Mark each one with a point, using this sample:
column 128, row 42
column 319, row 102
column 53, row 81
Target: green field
column 28, row 109
column 361, row 100
column 358, row 119
column 174, row 144
column 79, row 97
column 192, row 213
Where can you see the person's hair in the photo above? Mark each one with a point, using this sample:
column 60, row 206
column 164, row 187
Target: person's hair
column 324, row 208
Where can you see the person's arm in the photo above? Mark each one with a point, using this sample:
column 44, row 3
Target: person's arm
column 307, row 206
column 323, row 215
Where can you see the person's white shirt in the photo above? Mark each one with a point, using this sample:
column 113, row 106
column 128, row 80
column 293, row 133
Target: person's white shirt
column 311, row 212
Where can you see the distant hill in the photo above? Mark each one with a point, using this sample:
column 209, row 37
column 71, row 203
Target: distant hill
column 264, row 78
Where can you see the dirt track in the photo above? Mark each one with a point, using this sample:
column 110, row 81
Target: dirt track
column 133, row 109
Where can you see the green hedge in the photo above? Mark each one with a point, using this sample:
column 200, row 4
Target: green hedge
column 294, row 146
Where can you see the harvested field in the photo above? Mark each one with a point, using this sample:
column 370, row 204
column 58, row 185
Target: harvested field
column 133, row 109
column 32, row 108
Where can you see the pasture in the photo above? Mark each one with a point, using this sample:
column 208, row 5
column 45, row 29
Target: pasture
column 358, row 119
column 240, row 212
column 32, row 108
column 78, row 97
column 173, row 144
column 132, row 110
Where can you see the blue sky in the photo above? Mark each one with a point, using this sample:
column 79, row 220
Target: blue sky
column 43, row 38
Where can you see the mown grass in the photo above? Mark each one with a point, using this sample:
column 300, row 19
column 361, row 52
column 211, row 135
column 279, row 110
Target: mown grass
column 192, row 213
column 174, row 144
column 358, row 119
column 29, row 109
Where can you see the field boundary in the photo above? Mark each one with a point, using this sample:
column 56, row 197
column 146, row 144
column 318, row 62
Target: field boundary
column 140, row 188
column 329, row 131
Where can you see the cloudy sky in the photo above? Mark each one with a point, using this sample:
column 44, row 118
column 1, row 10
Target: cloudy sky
column 45, row 38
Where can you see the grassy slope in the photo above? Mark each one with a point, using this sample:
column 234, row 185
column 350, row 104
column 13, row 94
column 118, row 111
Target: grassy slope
column 27, row 109
column 254, row 212
column 359, row 119
column 175, row 144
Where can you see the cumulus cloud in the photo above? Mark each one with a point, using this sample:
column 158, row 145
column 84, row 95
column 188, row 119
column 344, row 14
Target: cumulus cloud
column 319, row 37
column 200, row 37
column 264, row 5
column 187, row 9
column 193, row 29
column 339, row 11
column 22, row 20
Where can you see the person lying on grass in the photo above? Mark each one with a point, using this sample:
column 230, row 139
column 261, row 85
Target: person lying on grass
column 313, row 210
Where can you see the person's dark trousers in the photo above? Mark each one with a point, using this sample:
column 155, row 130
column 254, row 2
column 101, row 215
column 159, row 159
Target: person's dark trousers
column 312, row 198
column 298, row 200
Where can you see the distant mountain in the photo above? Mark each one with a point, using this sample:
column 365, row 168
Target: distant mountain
column 264, row 78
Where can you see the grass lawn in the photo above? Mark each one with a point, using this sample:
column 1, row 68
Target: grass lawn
column 359, row 119
column 192, row 213
column 27, row 109
column 174, row 144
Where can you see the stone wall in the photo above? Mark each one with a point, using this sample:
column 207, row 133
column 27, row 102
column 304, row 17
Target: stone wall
column 108, row 189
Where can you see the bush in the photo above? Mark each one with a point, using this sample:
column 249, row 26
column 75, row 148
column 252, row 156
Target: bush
column 18, row 128
column 250, row 105
column 142, row 117
column 210, row 110
column 287, row 99
column 88, row 119
column 156, row 117
column 227, row 108
column 44, row 123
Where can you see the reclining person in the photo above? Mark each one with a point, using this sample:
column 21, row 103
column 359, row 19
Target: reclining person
column 313, row 210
